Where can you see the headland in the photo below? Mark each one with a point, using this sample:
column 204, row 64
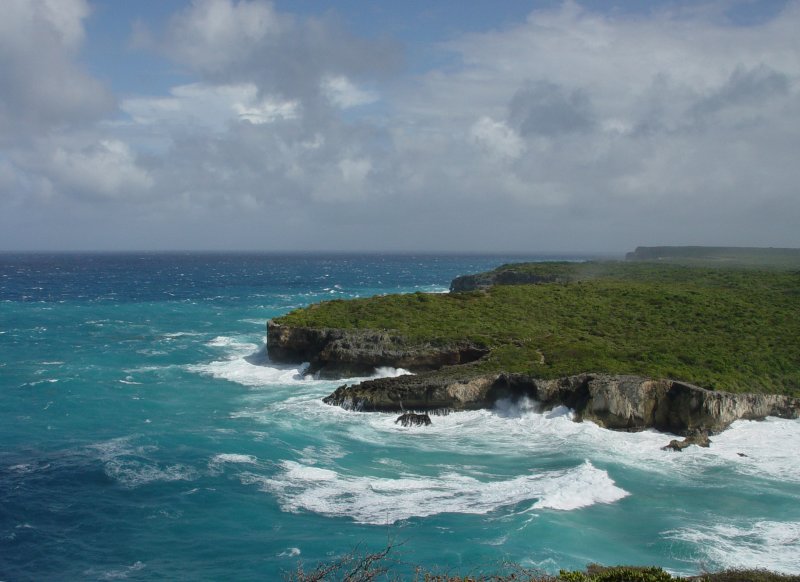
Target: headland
column 673, row 345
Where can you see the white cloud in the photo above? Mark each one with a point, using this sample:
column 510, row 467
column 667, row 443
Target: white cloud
column 211, row 35
column 200, row 107
column 497, row 138
column 343, row 93
column 354, row 171
column 106, row 169
column 43, row 87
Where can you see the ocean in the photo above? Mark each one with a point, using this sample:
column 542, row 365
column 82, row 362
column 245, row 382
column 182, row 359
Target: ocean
column 144, row 434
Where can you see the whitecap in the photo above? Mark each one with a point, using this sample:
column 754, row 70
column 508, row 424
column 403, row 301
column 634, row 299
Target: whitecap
column 290, row 553
column 132, row 473
column 374, row 500
column 116, row 574
column 130, row 466
column 754, row 545
column 223, row 341
column 241, row 371
column 177, row 334
column 38, row 382
column 234, row 458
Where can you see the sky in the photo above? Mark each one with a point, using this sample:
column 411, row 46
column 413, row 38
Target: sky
column 358, row 125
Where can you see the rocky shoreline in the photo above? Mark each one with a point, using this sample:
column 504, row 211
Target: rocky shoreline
column 445, row 383
column 618, row 402
column 344, row 353
column 450, row 377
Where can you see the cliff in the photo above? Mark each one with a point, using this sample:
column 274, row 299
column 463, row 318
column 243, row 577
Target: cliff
column 341, row 353
column 620, row 402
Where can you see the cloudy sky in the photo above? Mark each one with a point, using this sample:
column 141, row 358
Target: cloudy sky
column 362, row 125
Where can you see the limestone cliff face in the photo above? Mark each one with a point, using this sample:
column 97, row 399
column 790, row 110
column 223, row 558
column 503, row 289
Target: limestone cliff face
column 629, row 403
column 341, row 353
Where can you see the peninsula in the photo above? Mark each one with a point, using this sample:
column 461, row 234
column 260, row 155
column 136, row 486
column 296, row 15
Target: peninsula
column 674, row 345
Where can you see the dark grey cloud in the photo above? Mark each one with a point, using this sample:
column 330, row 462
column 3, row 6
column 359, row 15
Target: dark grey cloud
column 545, row 108
column 745, row 87
column 250, row 41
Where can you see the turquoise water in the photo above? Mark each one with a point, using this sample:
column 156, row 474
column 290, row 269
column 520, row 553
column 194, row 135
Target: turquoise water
column 145, row 435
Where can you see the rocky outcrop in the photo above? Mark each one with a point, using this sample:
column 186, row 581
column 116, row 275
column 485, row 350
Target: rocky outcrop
column 425, row 392
column 341, row 353
column 413, row 419
column 503, row 276
column 698, row 438
column 630, row 403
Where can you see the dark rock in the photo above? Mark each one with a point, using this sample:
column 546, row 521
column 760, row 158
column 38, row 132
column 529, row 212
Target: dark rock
column 618, row 402
column 697, row 438
column 413, row 419
column 344, row 353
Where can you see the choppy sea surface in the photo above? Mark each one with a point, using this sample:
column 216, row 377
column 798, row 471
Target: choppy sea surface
column 145, row 435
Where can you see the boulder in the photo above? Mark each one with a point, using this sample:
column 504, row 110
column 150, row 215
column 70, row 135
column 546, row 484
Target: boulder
column 413, row 419
column 696, row 438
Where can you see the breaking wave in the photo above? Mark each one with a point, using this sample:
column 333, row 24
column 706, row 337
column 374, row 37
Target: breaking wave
column 371, row 500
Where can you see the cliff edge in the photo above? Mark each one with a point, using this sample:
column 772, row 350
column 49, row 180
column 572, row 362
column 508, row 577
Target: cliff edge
column 619, row 402
column 342, row 353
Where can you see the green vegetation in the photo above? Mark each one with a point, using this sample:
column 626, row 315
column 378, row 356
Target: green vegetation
column 380, row 566
column 722, row 328
column 742, row 256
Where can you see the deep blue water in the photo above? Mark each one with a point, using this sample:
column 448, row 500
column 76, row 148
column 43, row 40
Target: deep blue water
column 144, row 435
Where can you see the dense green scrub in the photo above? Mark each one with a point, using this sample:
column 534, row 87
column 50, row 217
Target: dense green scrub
column 721, row 328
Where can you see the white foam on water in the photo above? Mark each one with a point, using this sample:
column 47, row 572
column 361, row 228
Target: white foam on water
column 519, row 430
column 248, row 364
column 45, row 381
column 117, row 574
column 771, row 544
column 130, row 465
column 132, row 473
column 766, row 448
column 290, row 553
column 237, row 345
column 243, row 372
column 374, row 500
column 234, row 458
column 217, row 464
column 312, row 455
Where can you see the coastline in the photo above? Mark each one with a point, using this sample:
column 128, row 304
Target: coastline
column 454, row 374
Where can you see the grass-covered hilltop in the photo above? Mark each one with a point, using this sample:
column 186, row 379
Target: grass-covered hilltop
column 669, row 344
column 733, row 329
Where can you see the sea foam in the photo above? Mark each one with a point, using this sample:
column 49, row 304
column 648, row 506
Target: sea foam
column 773, row 544
column 374, row 500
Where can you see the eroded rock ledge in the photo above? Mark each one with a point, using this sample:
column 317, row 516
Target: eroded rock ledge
column 630, row 403
column 341, row 353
